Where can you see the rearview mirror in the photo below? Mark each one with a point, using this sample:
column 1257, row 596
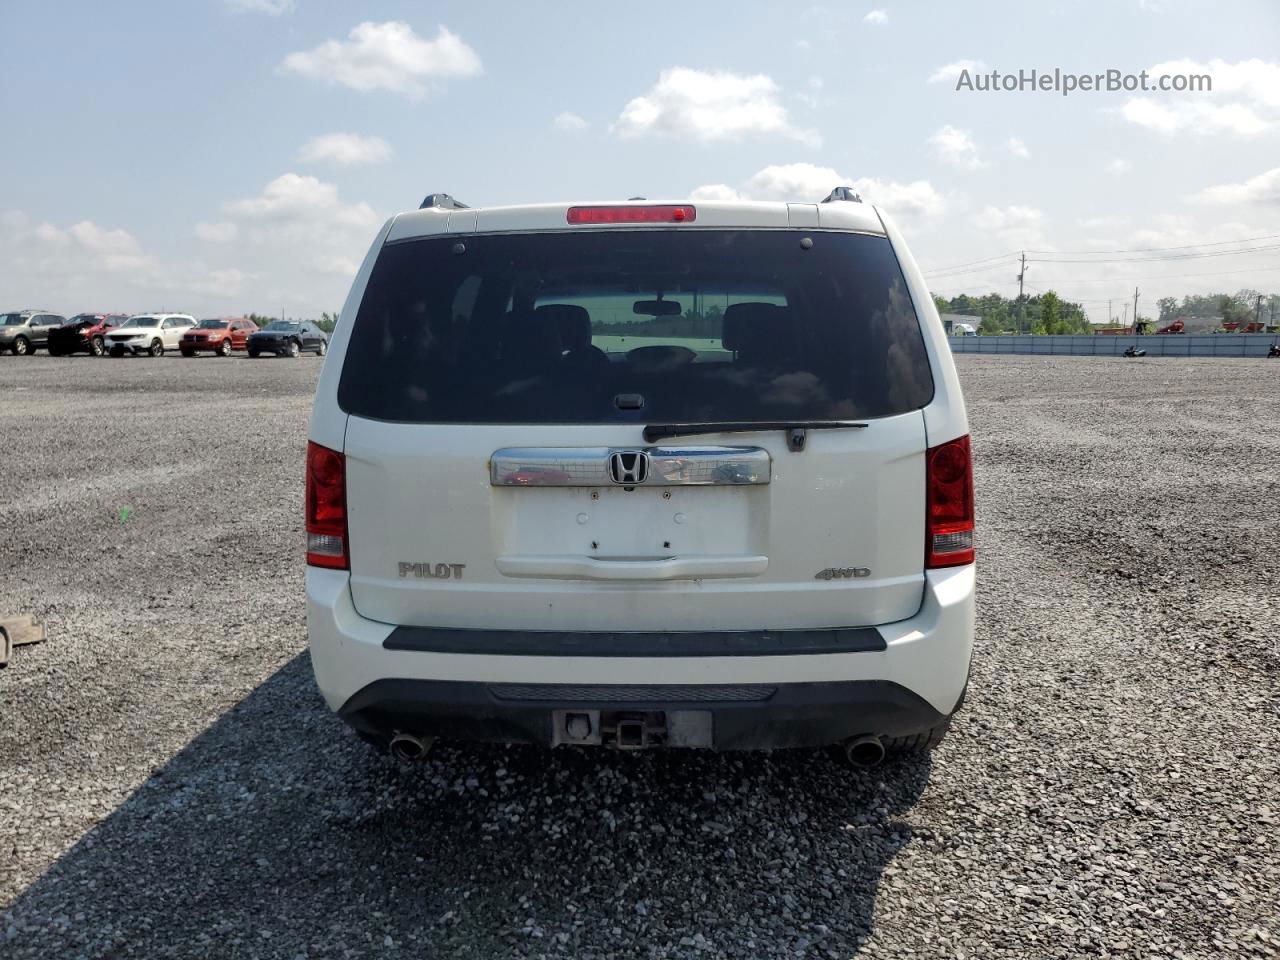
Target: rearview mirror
column 657, row 308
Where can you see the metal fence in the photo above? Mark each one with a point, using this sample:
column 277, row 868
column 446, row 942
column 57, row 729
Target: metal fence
column 1166, row 345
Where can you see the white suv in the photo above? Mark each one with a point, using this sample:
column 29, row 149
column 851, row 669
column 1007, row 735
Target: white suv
column 149, row 333
column 641, row 474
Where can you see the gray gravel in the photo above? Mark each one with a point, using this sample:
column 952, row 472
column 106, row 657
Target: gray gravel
column 171, row 785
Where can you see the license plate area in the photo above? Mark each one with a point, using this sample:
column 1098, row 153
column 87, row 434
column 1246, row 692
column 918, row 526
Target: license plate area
column 621, row 523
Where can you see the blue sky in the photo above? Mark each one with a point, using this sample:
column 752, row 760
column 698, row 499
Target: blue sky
column 223, row 156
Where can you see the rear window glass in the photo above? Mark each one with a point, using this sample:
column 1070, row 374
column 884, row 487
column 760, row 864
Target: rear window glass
column 636, row 326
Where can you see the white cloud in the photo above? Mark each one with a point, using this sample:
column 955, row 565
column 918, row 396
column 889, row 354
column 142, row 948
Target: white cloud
column 299, row 244
column 292, row 197
column 803, row 45
column 917, row 198
column 876, row 16
column 808, row 182
column 1264, row 188
column 1016, row 147
column 1012, row 217
column 1194, row 116
column 301, row 227
column 714, row 192
column 336, row 265
column 1253, row 86
column 48, row 234
column 805, row 182
column 1119, row 166
column 84, row 263
column 569, row 122
column 387, row 56
column 221, row 232
column 345, row 150
column 272, row 8
column 1015, row 225
column 707, row 107
column 1257, row 81
column 952, row 71
column 1103, row 223
column 956, row 147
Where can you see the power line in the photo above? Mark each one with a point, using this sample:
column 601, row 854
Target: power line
column 961, row 273
column 970, row 263
column 1176, row 256
column 1089, row 257
column 1185, row 246
column 1177, row 276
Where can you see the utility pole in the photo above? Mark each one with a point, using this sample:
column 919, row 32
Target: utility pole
column 1022, row 272
column 1109, row 323
column 1136, row 328
column 1257, row 313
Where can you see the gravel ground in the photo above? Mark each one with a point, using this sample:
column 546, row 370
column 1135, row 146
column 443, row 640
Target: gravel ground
column 171, row 785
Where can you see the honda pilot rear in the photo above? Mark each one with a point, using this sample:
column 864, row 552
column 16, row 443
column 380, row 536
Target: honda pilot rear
column 641, row 475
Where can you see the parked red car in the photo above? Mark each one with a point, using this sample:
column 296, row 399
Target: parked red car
column 219, row 335
column 84, row 332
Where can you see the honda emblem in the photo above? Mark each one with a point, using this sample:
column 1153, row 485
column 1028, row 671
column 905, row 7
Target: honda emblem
column 628, row 467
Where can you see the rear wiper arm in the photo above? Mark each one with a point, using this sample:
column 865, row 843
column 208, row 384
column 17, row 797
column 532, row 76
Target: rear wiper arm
column 795, row 429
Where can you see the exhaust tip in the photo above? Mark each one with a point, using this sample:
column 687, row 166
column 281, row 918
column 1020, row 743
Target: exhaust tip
column 407, row 748
column 864, row 752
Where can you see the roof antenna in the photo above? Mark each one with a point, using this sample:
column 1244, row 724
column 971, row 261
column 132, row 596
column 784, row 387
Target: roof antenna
column 843, row 193
column 441, row 201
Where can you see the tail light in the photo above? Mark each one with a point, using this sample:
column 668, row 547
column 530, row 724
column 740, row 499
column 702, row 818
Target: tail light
column 665, row 213
column 949, row 521
column 326, row 508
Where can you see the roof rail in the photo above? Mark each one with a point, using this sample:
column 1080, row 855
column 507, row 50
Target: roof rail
column 843, row 193
column 442, row 201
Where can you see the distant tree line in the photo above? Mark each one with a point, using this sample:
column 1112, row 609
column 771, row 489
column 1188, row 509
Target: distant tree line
column 1049, row 313
column 1044, row 313
column 1238, row 307
column 701, row 325
column 326, row 322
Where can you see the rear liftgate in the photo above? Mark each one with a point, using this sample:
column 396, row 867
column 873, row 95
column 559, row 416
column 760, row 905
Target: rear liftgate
column 638, row 494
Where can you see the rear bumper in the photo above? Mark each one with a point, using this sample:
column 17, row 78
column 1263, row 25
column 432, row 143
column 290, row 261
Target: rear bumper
column 751, row 717
column 905, row 684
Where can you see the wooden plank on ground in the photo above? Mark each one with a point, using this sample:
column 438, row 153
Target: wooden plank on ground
column 17, row 631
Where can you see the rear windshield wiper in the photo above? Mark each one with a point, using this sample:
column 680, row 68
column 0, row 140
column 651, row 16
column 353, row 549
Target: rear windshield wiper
column 795, row 429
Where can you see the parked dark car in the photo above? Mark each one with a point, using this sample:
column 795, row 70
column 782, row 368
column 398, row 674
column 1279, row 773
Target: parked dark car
column 84, row 333
column 289, row 338
column 219, row 335
column 23, row 332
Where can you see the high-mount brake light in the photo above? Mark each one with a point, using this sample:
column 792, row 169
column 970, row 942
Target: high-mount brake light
column 949, row 494
column 326, row 508
column 658, row 213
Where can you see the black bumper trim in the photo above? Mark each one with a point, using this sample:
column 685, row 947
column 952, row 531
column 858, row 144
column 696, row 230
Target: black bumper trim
column 795, row 715
column 549, row 643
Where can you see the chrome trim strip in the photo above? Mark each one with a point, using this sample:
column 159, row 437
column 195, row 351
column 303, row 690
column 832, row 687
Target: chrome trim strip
column 668, row 466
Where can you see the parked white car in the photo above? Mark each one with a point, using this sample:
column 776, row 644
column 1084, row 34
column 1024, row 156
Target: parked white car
column 641, row 474
column 149, row 333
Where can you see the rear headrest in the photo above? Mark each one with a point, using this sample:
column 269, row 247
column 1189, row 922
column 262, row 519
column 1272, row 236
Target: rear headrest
column 755, row 329
column 571, row 321
column 529, row 338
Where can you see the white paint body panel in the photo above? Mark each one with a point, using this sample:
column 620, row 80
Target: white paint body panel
column 927, row 653
column 743, row 559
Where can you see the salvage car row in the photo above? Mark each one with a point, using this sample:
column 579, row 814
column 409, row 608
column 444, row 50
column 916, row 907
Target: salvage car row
column 23, row 332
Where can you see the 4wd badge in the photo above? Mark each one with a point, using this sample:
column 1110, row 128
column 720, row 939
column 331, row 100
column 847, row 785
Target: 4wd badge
column 843, row 573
